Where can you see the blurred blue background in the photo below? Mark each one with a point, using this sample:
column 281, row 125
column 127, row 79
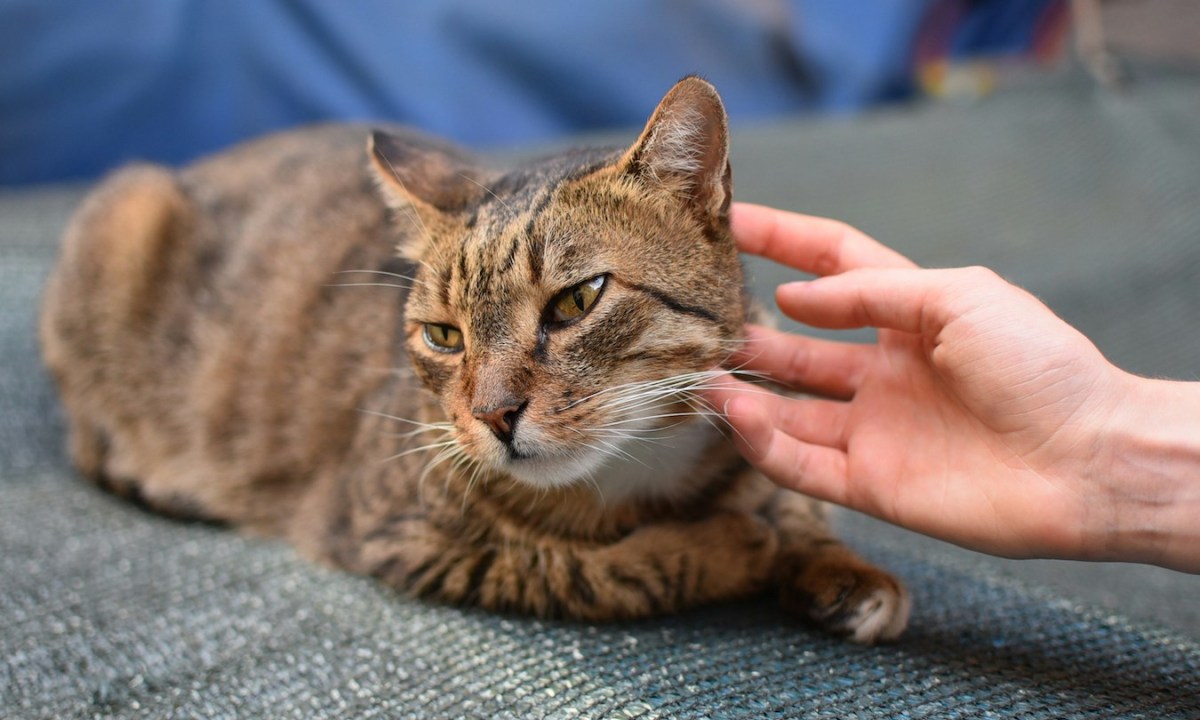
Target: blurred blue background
column 87, row 85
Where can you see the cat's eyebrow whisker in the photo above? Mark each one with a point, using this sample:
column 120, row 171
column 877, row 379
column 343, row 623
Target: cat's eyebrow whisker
column 409, row 210
column 382, row 272
column 366, row 284
column 489, row 191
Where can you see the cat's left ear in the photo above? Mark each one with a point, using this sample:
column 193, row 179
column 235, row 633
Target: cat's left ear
column 684, row 148
column 422, row 179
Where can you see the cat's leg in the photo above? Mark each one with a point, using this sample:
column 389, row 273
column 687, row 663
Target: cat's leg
column 95, row 310
column 656, row 569
column 822, row 580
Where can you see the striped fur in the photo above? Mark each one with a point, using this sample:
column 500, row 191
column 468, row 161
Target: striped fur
column 248, row 340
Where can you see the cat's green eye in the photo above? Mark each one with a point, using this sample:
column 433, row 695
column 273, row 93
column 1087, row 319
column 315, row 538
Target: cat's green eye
column 574, row 302
column 443, row 338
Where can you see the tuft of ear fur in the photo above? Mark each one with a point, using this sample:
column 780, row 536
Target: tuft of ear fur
column 684, row 148
column 421, row 181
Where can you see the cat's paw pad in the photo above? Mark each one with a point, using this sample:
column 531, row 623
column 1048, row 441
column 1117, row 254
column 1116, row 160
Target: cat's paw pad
column 856, row 600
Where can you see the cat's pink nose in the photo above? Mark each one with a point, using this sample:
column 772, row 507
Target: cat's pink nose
column 501, row 419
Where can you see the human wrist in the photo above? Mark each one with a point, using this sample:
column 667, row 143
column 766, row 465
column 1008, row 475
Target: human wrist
column 1148, row 475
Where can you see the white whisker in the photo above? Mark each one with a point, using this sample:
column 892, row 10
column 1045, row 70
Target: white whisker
column 488, row 190
column 408, row 208
column 413, row 433
column 608, row 448
column 397, row 418
column 423, row 448
column 631, row 406
column 382, row 272
column 374, row 284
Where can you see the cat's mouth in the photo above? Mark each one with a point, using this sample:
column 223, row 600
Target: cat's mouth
column 537, row 458
column 646, row 464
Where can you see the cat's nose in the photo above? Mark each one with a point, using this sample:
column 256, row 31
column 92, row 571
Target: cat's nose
column 501, row 418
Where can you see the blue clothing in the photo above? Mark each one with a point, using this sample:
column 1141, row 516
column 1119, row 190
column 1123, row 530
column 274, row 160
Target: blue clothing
column 87, row 85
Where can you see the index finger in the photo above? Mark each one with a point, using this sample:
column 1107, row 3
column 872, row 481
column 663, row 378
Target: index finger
column 817, row 245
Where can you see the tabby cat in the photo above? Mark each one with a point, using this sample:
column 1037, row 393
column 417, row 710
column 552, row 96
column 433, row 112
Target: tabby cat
column 477, row 386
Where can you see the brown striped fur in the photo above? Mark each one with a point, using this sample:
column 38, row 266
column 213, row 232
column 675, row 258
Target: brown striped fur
column 245, row 340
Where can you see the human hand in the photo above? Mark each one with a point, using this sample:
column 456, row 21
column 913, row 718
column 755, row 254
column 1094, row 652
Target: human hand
column 978, row 417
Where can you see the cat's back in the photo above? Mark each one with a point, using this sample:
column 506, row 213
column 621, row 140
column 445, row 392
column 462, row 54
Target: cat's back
column 228, row 317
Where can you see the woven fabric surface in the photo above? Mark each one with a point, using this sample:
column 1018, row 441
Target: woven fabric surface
column 106, row 611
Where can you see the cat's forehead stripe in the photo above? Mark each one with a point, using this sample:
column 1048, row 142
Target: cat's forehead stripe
column 506, row 263
column 676, row 305
column 509, row 195
column 535, row 245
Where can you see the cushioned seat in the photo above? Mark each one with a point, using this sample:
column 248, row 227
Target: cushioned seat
column 1092, row 201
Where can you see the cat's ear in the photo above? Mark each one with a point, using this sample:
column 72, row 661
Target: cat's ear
column 420, row 181
column 684, row 148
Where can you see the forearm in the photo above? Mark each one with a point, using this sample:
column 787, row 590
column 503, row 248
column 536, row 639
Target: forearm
column 1149, row 473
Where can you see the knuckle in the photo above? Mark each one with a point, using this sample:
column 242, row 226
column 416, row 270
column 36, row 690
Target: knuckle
column 979, row 276
column 828, row 260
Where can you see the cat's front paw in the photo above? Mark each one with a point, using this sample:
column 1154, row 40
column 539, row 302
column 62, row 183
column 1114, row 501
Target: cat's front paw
column 846, row 596
column 723, row 556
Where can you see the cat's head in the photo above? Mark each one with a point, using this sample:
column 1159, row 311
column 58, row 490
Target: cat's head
column 562, row 311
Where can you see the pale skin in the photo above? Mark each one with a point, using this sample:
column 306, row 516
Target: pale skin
column 978, row 417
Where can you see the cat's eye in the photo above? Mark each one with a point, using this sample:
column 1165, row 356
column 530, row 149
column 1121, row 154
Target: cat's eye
column 574, row 302
column 443, row 338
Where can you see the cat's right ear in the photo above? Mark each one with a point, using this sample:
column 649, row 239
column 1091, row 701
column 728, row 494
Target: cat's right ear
column 419, row 183
column 684, row 148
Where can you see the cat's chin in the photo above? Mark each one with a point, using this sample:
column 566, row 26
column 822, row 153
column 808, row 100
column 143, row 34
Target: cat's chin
column 545, row 473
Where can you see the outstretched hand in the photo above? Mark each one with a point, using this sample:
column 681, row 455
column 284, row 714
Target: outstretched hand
column 977, row 417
